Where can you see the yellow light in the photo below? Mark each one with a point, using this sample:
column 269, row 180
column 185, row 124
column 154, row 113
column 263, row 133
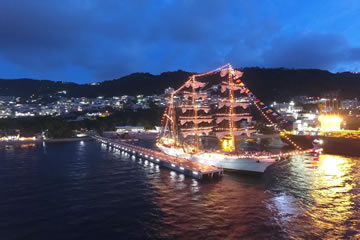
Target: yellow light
column 167, row 141
column 227, row 144
column 330, row 123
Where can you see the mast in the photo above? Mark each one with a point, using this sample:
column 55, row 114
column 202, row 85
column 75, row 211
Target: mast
column 228, row 116
column 200, row 114
column 231, row 109
column 173, row 116
column 196, row 125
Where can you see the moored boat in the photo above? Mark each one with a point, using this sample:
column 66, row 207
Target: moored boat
column 230, row 162
column 343, row 142
column 220, row 109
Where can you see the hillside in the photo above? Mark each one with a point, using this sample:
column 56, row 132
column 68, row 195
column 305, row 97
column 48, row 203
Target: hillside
column 269, row 84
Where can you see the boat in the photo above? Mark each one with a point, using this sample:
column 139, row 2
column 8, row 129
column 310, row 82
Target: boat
column 216, row 106
column 328, row 135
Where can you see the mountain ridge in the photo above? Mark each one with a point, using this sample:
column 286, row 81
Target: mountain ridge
column 267, row 83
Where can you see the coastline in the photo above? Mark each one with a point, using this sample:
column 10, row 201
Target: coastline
column 46, row 141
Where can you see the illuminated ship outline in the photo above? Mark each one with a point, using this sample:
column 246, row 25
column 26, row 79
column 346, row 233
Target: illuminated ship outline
column 191, row 97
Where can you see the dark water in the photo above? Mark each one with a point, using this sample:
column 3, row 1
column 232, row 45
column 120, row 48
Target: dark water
column 82, row 190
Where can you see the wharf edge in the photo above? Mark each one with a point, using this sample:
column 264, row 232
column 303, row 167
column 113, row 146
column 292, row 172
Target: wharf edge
column 187, row 167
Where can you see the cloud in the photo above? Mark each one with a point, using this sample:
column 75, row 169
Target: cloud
column 310, row 50
column 355, row 54
column 96, row 39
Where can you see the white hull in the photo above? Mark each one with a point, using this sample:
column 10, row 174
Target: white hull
column 226, row 162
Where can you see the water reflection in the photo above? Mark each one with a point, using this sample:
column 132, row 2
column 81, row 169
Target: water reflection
column 322, row 201
column 332, row 191
column 134, row 197
column 289, row 201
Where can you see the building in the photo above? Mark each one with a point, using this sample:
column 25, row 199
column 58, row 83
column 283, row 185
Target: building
column 123, row 129
column 287, row 110
column 350, row 104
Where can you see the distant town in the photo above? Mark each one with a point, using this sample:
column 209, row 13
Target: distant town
column 16, row 107
column 82, row 108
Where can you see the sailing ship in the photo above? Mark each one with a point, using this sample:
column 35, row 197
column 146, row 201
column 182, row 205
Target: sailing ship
column 201, row 111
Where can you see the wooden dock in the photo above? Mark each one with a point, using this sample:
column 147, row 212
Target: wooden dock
column 187, row 167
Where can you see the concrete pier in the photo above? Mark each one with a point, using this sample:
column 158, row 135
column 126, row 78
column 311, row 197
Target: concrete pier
column 187, row 167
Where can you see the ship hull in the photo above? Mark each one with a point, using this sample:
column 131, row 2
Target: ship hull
column 228, row 163
column 331, row 145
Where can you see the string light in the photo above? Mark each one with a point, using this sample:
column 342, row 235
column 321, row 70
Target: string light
column 254, row 99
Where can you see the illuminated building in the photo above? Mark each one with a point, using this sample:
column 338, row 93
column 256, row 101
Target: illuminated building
column 330, row 123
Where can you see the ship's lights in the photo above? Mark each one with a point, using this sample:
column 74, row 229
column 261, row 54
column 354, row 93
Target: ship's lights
column 227, row 144
column 168, row 141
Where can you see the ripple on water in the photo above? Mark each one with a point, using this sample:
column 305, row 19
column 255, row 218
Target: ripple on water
column 87, row 191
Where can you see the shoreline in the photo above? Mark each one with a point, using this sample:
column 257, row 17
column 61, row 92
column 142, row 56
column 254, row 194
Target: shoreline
column 46, row 141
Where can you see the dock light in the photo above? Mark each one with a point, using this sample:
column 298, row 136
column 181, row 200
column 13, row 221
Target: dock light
column 146, row 156
column 196, row 173
column 181, row 168
column 151, row 158
column 173, row 165
column 157, row 160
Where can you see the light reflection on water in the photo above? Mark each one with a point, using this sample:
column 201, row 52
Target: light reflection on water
column 324, row 201
column 333, row 192
column 103, row 191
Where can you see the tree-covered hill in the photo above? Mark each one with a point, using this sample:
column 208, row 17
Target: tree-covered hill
column 269, row 84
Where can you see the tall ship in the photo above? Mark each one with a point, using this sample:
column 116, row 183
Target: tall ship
column 328, row 134
column 204, row 119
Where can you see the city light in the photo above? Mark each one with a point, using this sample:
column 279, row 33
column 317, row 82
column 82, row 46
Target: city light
column 330, row 122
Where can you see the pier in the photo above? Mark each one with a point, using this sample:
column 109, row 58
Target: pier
column 187, row 167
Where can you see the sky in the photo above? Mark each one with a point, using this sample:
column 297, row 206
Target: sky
column 95, row 40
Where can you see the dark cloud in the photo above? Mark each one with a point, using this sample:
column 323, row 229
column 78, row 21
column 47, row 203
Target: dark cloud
column 306, row 51
column 355, row 54
column 107, row 39
column 311, row 50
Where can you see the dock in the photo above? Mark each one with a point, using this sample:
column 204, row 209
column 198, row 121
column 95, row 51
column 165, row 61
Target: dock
column 187, row 167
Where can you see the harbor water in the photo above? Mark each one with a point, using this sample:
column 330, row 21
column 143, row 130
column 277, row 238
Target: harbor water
column 83, row 190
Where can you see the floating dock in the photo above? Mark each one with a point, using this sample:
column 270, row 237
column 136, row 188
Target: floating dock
column 187, row 167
